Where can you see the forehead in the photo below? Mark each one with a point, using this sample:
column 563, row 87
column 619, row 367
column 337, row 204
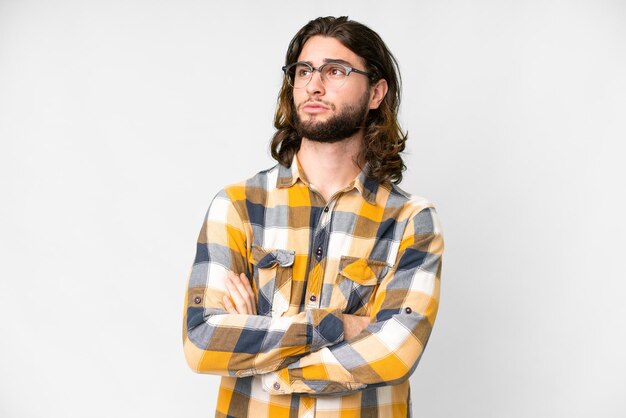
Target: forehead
column 319, row 49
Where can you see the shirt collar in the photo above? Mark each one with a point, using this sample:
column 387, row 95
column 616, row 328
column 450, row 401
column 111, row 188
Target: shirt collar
column 288, row 176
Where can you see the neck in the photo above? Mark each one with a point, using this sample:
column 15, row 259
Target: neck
column 330, row 167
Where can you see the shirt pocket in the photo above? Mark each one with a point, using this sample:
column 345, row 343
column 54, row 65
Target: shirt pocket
column 356, row 283
column 272, row 272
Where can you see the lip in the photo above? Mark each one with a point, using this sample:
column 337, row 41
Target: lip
column 314, row 107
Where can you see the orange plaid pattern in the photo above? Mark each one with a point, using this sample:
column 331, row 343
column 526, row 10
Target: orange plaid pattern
column 371, row 250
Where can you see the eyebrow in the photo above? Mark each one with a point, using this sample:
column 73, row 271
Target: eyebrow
column 334, row 60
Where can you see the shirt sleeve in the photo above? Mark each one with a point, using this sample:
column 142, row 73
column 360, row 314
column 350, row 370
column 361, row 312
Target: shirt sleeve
column 217, row 342
column 403, row 314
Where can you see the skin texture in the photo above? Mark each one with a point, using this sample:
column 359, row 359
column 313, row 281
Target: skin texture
column 336, row 128
column 241, row 299
column 317, row 50
column 328, row 165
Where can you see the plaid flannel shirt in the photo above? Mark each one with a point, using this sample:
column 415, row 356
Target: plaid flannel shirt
column 371, row 250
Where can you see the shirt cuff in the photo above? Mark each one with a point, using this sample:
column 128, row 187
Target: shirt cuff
column 280, row 383
column 276, row 383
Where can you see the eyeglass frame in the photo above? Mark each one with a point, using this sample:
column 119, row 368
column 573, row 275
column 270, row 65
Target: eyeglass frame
column 348, row 69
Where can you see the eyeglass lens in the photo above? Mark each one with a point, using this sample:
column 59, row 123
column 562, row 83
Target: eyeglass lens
column 333, row 75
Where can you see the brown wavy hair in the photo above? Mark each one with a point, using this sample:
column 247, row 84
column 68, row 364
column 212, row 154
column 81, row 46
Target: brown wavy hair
column 384, row 139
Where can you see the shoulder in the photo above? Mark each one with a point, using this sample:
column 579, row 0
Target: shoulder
column 418, row 210
column 393, row 196
column 260, row 183
column 244, row 198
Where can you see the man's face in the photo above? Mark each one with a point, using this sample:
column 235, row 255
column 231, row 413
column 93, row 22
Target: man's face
column 327, row 114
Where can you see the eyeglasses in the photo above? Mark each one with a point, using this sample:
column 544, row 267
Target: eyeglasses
column 333, row 74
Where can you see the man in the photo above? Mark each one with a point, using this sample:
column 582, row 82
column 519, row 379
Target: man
column 316, row 283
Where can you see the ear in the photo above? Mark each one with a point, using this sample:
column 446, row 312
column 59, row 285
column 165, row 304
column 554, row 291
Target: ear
column 378, row 93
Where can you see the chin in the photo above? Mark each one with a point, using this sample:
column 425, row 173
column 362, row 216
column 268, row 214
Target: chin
column 313, row 116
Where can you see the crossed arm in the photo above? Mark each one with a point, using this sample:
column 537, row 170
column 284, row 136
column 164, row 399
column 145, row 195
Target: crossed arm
column 240, row 300
column 219, row 341
column 319, row 351
column 388, row 350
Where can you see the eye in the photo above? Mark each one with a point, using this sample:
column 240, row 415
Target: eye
column 302, row 71
column 336, row 71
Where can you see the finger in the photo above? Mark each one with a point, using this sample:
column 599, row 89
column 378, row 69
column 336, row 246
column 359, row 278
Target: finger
column 246, row 285
column 238, row 300
column 243, row 293
column 228, row 279
column 229, row 305
column 230, row 276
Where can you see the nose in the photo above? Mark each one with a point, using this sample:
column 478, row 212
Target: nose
column 315, row 85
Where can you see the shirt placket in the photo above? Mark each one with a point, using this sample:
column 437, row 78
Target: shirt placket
column 318, row 254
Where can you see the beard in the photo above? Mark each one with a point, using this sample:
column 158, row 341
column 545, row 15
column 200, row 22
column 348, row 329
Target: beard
column 338, row 127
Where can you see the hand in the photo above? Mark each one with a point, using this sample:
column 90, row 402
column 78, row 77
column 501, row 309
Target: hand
column 353, row 325
column 241, row 300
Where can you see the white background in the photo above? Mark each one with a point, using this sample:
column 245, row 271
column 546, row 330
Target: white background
column 119, row 120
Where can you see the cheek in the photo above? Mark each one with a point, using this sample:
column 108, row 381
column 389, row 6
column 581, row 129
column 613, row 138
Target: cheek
column 298, row 97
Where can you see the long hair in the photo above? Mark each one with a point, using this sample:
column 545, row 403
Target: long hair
column 384, row 139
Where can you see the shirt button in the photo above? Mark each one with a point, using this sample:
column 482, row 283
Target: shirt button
column 318, row 254
column 312, row 298
column 276, row 386
column 326, row 209
column 408, row 310
column 197, row 299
